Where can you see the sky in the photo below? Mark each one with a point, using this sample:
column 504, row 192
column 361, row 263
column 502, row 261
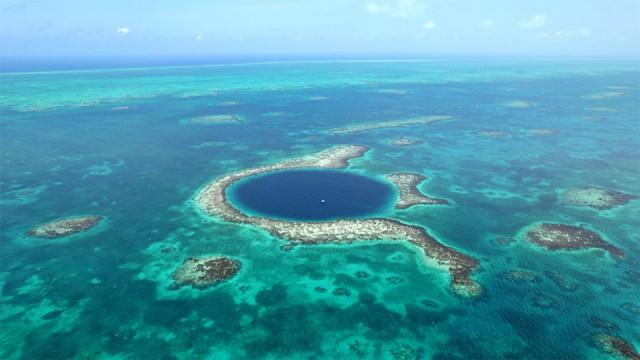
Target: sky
column 311, row 27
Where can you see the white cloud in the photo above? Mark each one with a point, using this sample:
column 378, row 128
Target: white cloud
column 123, row 30
column 400, row 8
column 536, row 21
column 567, row 34
column 487, row 23
column 430, row 25
column 200, row 37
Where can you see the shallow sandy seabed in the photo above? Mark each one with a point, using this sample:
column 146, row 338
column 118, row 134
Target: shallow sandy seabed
column 212, row 200
column 421, row 120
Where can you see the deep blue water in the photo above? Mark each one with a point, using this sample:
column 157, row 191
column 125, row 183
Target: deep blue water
column 312, row 195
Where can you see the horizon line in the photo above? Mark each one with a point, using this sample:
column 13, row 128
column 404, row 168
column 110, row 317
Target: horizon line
column 283, row 59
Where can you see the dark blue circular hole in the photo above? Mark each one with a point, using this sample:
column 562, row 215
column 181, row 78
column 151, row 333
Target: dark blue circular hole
column 312, row 195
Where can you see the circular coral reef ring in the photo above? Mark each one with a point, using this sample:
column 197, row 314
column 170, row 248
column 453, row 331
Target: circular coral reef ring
column 559, row 236
column 212, row 201
column 63, row 230
column 205, row 271
column 22, row 196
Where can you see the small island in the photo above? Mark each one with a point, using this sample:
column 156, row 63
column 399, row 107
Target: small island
column 212, row 200
column 203, row 272
column 553, row 236
column 597, row 198
column 65, row 227
column 409, row 195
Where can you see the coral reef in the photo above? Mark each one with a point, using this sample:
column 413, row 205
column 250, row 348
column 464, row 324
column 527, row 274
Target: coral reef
column 554, row 236
column 421, row 120
column 207, row 271
column 405, row 141
column 409, row 194
column 493, row 134
column 615, row 346
column 597, row 198
column 64, row 227
column 213, row 119
column 518, row 104
column 406, row 352
column 563, row 281
column 542, row 132
column 212, row 200
column 521, row 276
column 21, row 196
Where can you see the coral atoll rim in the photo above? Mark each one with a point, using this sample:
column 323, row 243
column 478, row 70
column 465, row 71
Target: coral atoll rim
column 212, row 200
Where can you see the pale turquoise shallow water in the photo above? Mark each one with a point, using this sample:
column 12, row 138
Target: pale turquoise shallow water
column 114, row 143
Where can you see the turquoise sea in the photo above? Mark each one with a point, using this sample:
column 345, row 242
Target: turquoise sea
column 120, row 144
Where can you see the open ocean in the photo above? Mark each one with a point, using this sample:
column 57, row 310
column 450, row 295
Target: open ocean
column 118, row 143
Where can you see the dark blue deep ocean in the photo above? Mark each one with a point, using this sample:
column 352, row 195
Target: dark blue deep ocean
column 312, row 195
column 120, row 143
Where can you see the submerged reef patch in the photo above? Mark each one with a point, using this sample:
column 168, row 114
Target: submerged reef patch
column 65, row 227
column 554, row 236
column 518, row 104
column 405, row 141
column 493, row 134
column 203, row 272
column 409, row 194
column 22, row 196
column 421, row 120
column 597, row 198
column 615, row 346
column 562, row 280
column 520, row 276
column 213, row 201
column 213, row 119
column 542, row 132
column 604, row 95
